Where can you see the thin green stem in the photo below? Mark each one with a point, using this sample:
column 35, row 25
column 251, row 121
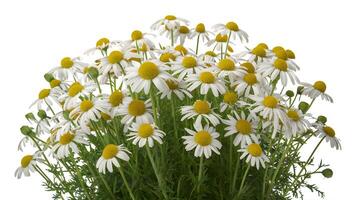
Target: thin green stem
column 200, row 173
column 227, row 44
column 173, row 110
column 172, row 38
column 44, row 176
column 243, row 181
column 126, row 184
column 154, row 106
column 80, row 177
column 197, row 48
column 235, row 173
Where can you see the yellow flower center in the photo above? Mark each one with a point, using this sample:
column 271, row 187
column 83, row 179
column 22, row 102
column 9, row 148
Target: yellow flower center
column 170, row 17
column 281, row 54
column 230, row 98
column 110, row 151
column 145, row 130
column 270, row 101
column 66, row 138
column 263, row 45
column 148, row 70
column 277, row 48
column 105, row 116
column 243, row 126
column 201, row 107
column 74, row 89
column 254, row 150
column 226, row 64
column 200, row 28
column 115, row 57
column 207, row 77
column 203, row 138
column 102, row 42
column 329, row 131
column 248, row 67
column 232, row 26
column 44, row 93
column 86, row 105
column 280, row 64
column 290, row 54
column 181, row 49
column 211, row 53
column 25, row 161
column 66, row 63
column 136, row 108
column 116, row 98
column 250, row 78
column 183, row 29
column 221, row 38
column 189, row 62
column 166, row 57
column 293, row 115
column 54, row 83
column 320, row 85
column 172, row 85
column 85, row 70
column 259, row 51
column 136, row 35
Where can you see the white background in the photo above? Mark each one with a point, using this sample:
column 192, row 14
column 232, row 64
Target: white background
column 36, row 34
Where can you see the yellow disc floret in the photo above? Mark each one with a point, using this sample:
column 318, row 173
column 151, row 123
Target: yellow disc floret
column 166, row 57
column 281, row 54
column 44, row 93
column 200, row 28
column 136, row 108
column 26, row 160
column 270, row 101
column 183, row 30
column 280, row 64
column 263, row 45
column 54, row 83
column 243, row 126
column 136, row 35
column 110, row 151
column 290, row 54
column 232, row 26
column 230, row 98
column 115, row 57
column 145, row 130
column 66, row 63
column 329, row 131
column 259, row 51
column 207, row 77
column 189, row 62
column 74, row 89
column 148, row 70
column 293, row 115
column 102, row 43
column 254, row 150
column 172, row 85
column 320, row 85
column 203, row 138
column 221, row 38
column 116, row 98
column 248, row 67
column 181, row 49
column 170, row 17
column 250, row 78
column 226, row 64
column 66, row 138
column 86, row 105
column 201, row 107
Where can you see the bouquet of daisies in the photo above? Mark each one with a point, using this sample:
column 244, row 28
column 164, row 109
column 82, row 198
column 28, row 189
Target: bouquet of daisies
column 177, row 115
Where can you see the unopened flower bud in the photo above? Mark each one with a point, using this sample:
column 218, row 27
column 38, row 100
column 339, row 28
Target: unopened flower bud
column 322, row 119
column 49, row 77
column 327, row 173
column 30, row 117
column 42, row 114
column 290, row 93
column 93, row 72
column 300, row 90
column 26, row 130
column 303, row 106
column 66, row 115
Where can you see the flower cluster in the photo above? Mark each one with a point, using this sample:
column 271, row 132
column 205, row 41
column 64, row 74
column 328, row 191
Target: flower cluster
column 196, row 94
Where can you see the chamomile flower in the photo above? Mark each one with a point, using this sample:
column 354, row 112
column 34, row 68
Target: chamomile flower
column 227, row 68
column 167, row 54
column 203, row 139
column 136, row 110
column 89, row 110
column 138, row 39
column 68, row 66
column 181, row 34
column 316, row 90
column 257, row 54
column 329, row 134
column 200, row 31
column 63, row 123
column 229, row 101
column 296, row 123
column 287, row 55
column 28, row 163
column 255, row 155
column 185, row 65
column 176, row 87
column 116, row 62
column 67, row 142
column 169, row 22
column 218, row 42
column 60, row 85
column 200, row 109
column 207, row 80
column 147, row 73
column 102, row 45
column 243, row 126
column 45, row 96
column 115, row 100
column 250, row 83
column 279, row 68
column 77, row 89
column 111, row 155
column 232, row 29
column 142, row 133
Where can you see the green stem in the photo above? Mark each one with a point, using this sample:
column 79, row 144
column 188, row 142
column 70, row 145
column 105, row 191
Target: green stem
column 81, row 180
column 154, row 107
column 197, row 48
column 235, row 173
column 44, row 176
column 227, row 44
column 173, row 110
column 243, row 181
column 200, row 173
column 126, row 184
column 172, row 39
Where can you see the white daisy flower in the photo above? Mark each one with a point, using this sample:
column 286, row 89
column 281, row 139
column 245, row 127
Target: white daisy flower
column 102, row 45
column 142, row 133
column 60, row 85
column 200, row 31
column 243, row 126
column 210, row 57
column 229, row 101
column 138, row 38
column 167, row 54
column 68, row 141
column 287, row 55
column 175, row 87
column 329, row 134
column 250, row 83
column 169, row 22
column 47, row 97
column 296, row 123
column 255, row 155
column 77, row 89
column 207, row 80
column 68, row 66
column 218, row 42
column 136, row 110
column 232, row 29
column 149, row 72
column 316, row 90
column 115, row 100
column 185, row 65
column 28, row 163
column 204, row 140
column 181, row 34
column 278, row 68
column 111, row 155
column 63, row 123
column 227, row 68
column 257, row 54
column 116, row 62
column 200, row 109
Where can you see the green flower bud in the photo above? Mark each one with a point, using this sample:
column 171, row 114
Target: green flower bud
column 49, row 77
column 66, row 115
column 42, row 114
column 290, row 93
column 303, row 106
column 26, row 130
column 322, row 119
column 327, row 173
column 300, row 90
column 93, row 72
column 30, row 117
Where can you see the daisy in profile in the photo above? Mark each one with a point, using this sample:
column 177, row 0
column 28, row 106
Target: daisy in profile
column 316, row 90
column 296, row 123
column 102, row 45
column 209, row 56
column 257, row 54
column 169, row 22
column 136, row 110
column 269, row 107
column 116, row 62
column 329, row 134
column 176, row 87
column 200, row 109
column 167, row 54
column 243, row 126
column 60, row 85
column 88, row 110
column 279, row 68
column 250, row 83
column 138, row 38
column 229, row 101
column 203, row 139
column 45, row 96
column 111, row 155
column 227, row 68
column 147, row 73
column 115, row 100
column 185, row 65
column 67, row 142
column 200, row 31
column 142, row 133
column 67, row 67
column 77, row 89
column 218, row 42
column 181, row 34
column 254, row 155
column 28, row 163
column 232, row 29
column 207, row 80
